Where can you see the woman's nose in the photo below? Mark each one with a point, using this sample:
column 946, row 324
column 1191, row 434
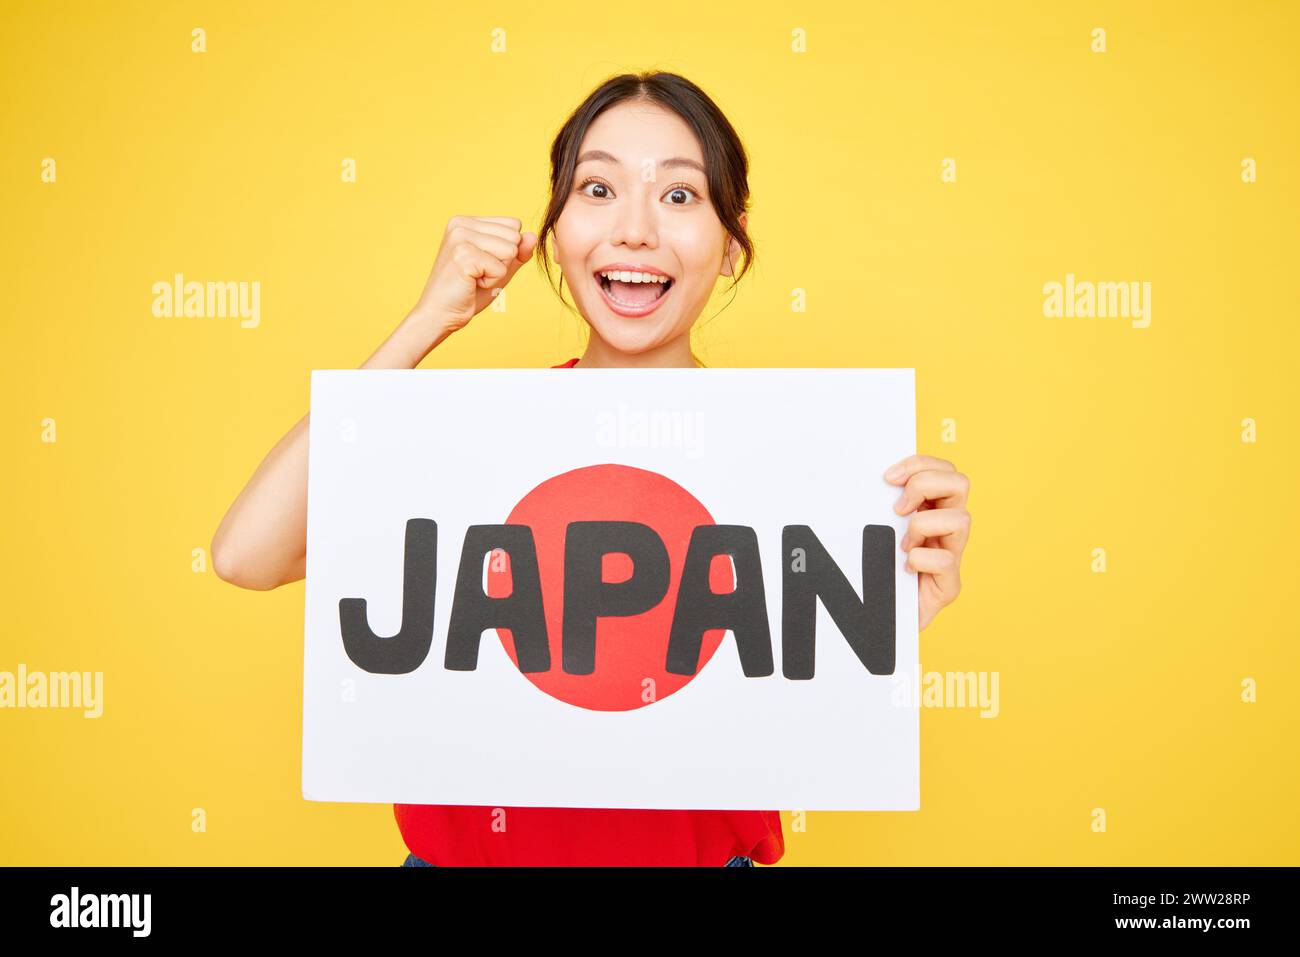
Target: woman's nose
column 634, row 224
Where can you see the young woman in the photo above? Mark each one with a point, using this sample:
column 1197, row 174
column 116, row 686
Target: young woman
column 649, row 206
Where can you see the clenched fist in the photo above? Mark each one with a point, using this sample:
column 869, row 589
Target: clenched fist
column 478, row 257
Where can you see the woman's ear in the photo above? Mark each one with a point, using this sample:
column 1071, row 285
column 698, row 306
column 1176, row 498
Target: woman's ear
column 733, row 247
column 734, row 250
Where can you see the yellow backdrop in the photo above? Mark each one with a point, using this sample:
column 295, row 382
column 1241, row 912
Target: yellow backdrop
column 921, row 173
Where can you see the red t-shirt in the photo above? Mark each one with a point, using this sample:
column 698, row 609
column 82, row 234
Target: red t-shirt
column 475, row 835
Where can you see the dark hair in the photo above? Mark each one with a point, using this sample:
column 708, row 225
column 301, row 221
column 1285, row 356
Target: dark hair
column 725, row 161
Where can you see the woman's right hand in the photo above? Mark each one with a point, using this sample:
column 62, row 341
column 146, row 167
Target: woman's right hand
column 262, row 540
column 478, row 257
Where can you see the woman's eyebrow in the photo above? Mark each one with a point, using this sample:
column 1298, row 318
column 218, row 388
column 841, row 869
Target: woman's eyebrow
column 670, row 163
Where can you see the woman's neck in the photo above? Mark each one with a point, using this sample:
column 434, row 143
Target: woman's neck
column 673, row 354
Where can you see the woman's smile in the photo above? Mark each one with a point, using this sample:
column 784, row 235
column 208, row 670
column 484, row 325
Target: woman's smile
column 632, row 291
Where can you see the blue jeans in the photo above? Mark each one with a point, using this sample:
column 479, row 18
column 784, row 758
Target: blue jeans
column 413, row 861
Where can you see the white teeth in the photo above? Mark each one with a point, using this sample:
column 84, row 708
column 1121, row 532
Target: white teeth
column 624, row 276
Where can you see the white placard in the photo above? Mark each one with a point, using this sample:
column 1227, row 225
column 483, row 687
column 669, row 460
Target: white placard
column 762, row 448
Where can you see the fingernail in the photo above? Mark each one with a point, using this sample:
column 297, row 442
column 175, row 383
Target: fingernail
column 899, row 504
column 895, row 473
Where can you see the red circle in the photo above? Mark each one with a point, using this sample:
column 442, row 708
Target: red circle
column 630, row 651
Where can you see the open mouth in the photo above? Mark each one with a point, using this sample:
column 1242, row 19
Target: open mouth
column 633, row 298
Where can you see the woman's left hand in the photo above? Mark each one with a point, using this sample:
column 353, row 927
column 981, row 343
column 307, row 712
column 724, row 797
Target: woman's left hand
column 936, row 536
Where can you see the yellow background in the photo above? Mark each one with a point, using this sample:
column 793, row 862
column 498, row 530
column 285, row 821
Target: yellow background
column 1118, row 690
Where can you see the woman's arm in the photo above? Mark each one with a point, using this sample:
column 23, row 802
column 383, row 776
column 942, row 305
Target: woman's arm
column 262, row 541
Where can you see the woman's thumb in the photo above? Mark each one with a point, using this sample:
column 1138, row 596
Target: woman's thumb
column 527, row 243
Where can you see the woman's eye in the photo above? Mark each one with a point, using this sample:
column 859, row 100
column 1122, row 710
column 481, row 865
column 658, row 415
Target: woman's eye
column 677, row 196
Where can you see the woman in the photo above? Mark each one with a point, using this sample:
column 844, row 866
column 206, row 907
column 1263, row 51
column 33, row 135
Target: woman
column 649, row 206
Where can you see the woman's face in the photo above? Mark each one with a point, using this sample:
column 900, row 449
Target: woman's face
column 640, row 199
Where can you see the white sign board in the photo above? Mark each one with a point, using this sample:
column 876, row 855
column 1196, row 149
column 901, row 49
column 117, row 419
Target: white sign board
column 610, row 588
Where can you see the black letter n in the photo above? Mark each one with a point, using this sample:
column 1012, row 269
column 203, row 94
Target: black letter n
column 867, row 624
